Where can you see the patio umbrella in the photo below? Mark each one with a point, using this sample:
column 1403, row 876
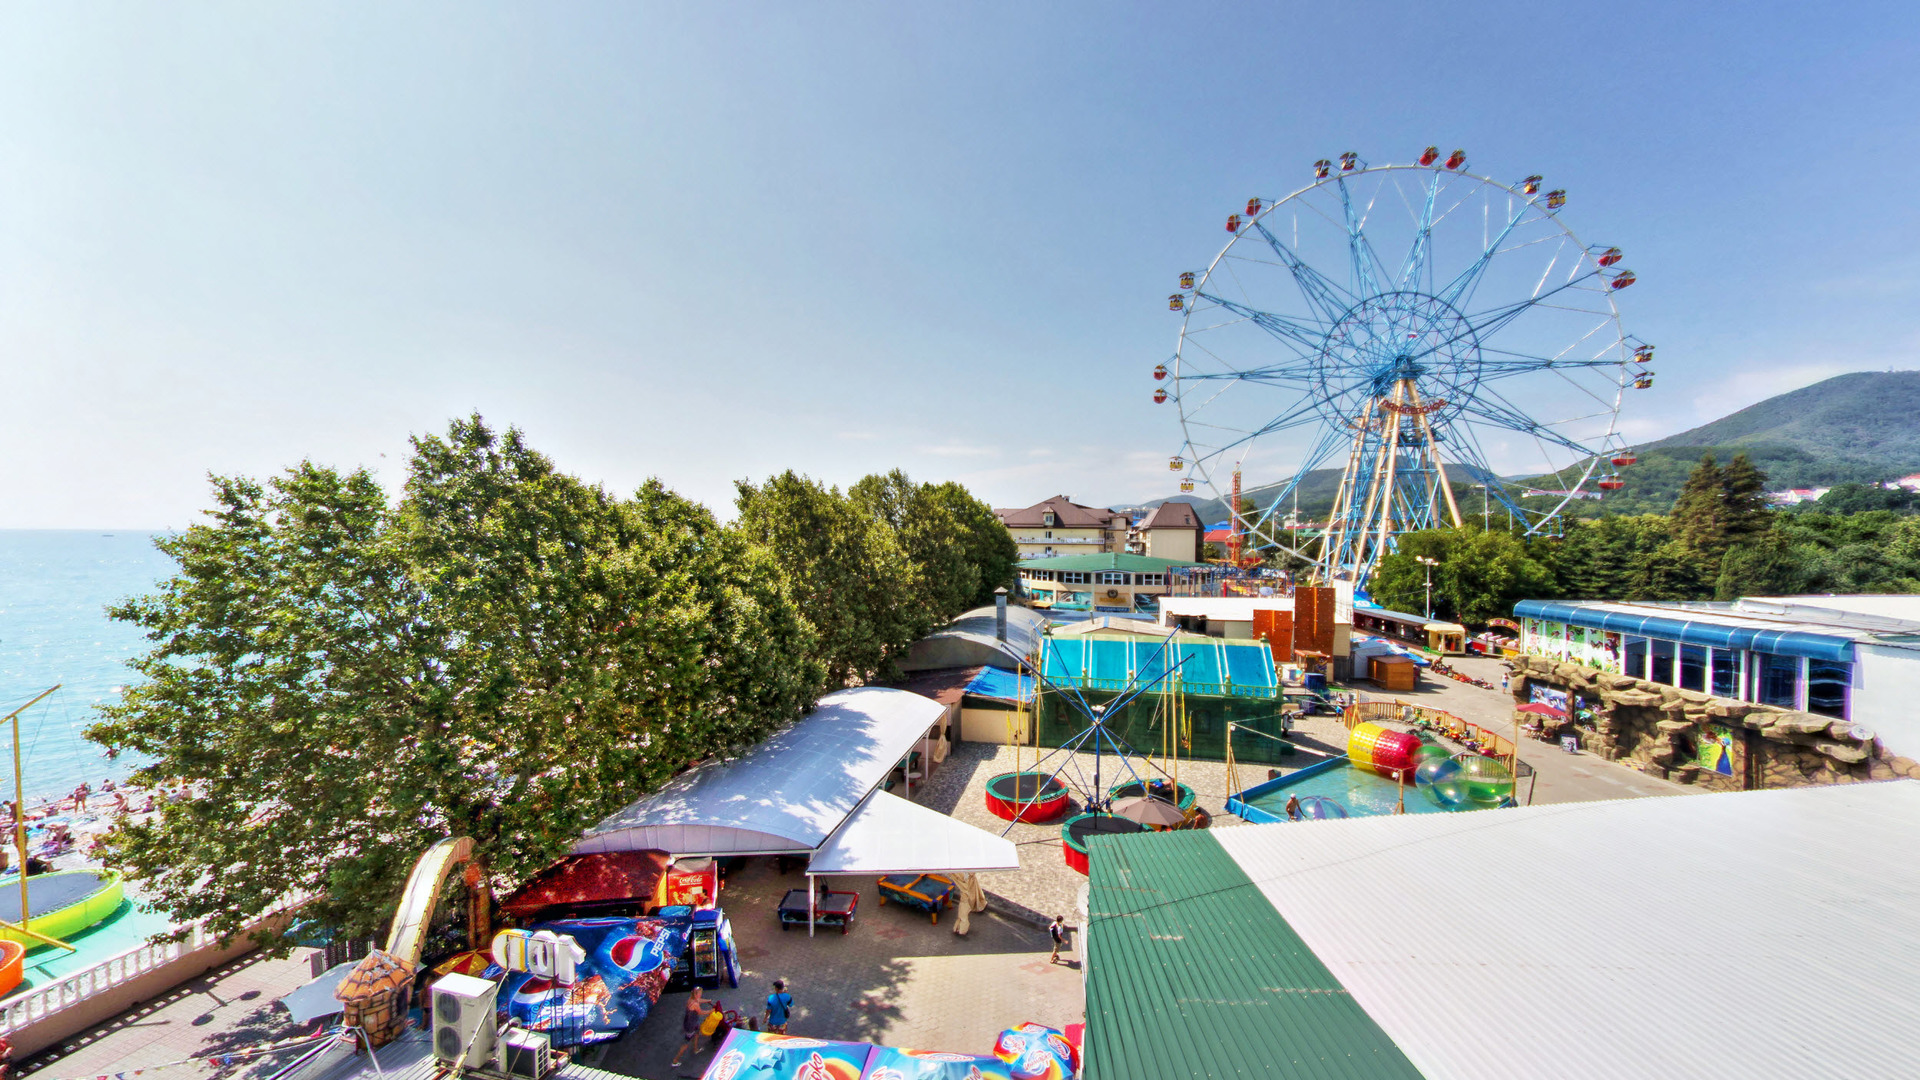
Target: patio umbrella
column 1037, row 1052
column 1151, row 812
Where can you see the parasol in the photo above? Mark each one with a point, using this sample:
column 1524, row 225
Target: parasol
column 1149, row 811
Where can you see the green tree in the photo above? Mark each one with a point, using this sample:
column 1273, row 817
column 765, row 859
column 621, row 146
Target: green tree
column 853, row 580
column 959, row 549
column 1745, row 513
column 1699, row 516
column 1768, row 566
column 508, row 654
column 1480, row 574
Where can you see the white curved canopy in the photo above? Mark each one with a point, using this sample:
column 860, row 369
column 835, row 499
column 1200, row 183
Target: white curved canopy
column 786, row 795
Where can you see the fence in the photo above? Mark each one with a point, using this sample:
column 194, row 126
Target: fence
column 1481, row 739
column 37, row 1004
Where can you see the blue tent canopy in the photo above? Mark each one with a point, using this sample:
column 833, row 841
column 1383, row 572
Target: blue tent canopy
column 1212, row 668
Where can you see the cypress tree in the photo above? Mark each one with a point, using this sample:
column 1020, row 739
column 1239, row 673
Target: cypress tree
column 1743, row 501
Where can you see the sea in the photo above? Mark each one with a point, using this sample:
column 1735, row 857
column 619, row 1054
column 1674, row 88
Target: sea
column 54, row 590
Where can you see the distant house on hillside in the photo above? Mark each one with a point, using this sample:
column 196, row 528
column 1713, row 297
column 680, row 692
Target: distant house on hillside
column 1911, row 483
column 1170, row 531
column 1060, row 526
column 1796, row 496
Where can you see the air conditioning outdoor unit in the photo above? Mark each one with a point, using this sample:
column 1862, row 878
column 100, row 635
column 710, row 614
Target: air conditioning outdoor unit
column 464, row 1027
column 526, row 1055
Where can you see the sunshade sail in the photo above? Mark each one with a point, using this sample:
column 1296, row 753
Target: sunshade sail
column 889, row 835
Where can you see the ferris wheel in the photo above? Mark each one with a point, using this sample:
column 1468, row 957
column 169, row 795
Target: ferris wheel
column 1421, row 328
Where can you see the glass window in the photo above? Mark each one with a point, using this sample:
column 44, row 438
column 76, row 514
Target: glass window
column 1827, row 682
column 1073, row 577
column 1693, row 667
column 1661, row 670
column 1149, row 579
column 1779, row 680
column 1726, row 673
column 1636, row 658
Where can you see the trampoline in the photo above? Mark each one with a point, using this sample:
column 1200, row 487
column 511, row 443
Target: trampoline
column 1157, row 788
column 1027, row 796
column 1074, row 834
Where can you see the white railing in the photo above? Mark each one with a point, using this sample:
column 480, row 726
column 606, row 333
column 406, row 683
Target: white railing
column 41, row 1002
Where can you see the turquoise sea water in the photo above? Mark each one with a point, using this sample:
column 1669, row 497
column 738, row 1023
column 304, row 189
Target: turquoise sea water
column 54, row 586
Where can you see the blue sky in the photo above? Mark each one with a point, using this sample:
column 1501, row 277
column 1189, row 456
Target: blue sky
column 709, row 242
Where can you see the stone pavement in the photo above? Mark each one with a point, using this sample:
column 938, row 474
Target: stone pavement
column 893, row 978
column 228, row 1009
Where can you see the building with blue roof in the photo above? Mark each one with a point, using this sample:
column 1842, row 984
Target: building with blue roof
column 1851, row 660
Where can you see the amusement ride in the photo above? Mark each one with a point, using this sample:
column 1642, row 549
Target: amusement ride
column 1419, row 326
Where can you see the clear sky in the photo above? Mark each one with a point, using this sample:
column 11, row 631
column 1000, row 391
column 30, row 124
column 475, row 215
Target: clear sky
column 712, row 241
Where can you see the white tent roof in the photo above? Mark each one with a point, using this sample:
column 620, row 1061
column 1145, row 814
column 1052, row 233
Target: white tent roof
column 889, row 835
column 787, row 794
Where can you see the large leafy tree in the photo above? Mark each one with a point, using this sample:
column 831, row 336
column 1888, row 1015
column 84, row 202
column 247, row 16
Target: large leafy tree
column 1480, row 574
column 854, row 582
column 507, row 654
column 959, row 549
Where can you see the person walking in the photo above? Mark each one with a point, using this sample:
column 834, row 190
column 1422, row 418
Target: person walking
column 779, row 1008
column 1293, row 808
column 690, row 1019
column 1058, row 932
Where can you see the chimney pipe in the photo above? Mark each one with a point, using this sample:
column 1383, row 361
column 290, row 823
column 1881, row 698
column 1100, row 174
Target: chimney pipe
column 1000, row 613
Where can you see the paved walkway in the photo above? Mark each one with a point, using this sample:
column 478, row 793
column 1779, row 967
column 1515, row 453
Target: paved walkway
column 231, row 1008
column 894, row 978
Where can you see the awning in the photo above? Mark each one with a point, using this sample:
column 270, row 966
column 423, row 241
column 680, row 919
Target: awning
column 315, row 999
column 1695, row 628
column 600, row 877
column 1539, row 709
column 889, row 835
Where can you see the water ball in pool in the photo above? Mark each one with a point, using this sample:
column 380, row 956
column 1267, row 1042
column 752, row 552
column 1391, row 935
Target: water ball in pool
column 1320, row 808
column 1487, row 781
column 1443, row 781
column 1432, row 752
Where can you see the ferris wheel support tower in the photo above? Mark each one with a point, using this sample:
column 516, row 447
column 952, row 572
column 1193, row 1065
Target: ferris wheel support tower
column 1396, row 460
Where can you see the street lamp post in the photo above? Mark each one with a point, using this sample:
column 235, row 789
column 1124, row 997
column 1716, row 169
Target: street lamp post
column 1429, row 564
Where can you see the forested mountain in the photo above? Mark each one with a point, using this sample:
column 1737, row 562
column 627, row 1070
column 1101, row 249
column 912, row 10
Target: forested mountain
column 1862, row 428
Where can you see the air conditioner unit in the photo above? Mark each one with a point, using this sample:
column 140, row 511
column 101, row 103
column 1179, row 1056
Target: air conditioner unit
column 526, row 1055
column 464, row 1026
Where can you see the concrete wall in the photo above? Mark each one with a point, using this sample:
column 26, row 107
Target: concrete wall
column 1886, row 696
column 105, row 1004
column 990, row 726
column 1181, row 544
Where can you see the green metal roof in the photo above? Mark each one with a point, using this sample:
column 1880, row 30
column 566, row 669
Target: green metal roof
column 1191, row 972
column 1136, row 564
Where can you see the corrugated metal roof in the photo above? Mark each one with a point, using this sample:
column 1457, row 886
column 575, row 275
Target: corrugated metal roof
column 970, row 641
column 1697, row 627
column 786, row 794
column 1754, row 934
column 1191, row 973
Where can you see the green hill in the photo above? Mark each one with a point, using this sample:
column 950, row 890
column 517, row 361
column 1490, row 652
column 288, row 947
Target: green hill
column 1865, row 419
column 1860, row 428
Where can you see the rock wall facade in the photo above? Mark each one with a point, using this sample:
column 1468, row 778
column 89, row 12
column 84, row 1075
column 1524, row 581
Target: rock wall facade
column 1663, row 730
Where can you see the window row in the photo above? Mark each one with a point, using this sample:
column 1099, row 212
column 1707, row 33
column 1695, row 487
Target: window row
column 1086, row 577
column 1787, row 682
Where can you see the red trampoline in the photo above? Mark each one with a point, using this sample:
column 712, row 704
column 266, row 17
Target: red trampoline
column 1074, row 834
column 1027, row 796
